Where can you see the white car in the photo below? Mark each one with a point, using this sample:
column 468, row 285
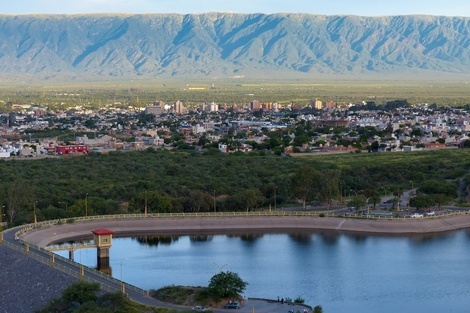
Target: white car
column 199, row 308
column 416, row 215
column 430, row 213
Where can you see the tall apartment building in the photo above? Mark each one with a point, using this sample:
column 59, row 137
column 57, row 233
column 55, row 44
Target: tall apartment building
column 255, row 105
column 179, row 108
column 317, row 104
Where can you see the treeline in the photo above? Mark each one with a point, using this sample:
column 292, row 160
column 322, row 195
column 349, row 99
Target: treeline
column 163, row 181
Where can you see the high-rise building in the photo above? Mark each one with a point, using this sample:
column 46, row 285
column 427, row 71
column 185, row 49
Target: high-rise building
column 255, row 105
column 317, row 104
column 179, row 108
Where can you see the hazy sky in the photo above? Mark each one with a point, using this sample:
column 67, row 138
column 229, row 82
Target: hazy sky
column 328, row 7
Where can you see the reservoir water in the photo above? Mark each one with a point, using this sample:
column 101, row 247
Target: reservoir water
column 343, row 273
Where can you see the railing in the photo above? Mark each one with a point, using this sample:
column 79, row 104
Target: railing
column 72, row 246
column 77, row 267
column 29, row 227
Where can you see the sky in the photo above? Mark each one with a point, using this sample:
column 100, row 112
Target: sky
column 324, row 7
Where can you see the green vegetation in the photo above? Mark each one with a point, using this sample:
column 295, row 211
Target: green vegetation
column 84, row 296
column 226, row 285
column 139, row 94
column 182, row 295
column 222, row 287
column 127, row 182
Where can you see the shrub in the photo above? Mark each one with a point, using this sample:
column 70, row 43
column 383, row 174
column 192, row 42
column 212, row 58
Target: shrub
column 299, row 300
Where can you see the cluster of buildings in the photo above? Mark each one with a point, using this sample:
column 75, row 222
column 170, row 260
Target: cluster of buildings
column 324, row 126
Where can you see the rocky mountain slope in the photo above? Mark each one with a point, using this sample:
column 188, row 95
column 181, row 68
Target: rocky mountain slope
column 230, row 45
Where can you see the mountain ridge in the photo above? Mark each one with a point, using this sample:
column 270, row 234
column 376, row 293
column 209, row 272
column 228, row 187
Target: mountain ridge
column 219, row 44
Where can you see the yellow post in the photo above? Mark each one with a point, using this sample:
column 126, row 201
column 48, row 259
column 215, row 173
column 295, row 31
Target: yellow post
column 1, row 237
column 52, row 259
column 82, row 272
column 27, row 248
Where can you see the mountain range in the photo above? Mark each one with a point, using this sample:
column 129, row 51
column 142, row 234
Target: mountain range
column 230, row 45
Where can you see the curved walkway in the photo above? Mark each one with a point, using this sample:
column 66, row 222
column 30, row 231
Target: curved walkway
column 197, row 225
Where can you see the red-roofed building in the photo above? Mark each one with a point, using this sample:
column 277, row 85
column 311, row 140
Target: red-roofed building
column 62, row 150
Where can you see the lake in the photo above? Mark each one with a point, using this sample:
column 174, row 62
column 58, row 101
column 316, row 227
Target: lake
column 343, row 273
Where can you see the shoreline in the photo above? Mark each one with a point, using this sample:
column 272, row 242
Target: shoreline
column 232, row 224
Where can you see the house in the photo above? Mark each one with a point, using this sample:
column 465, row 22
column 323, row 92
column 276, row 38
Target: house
column 72, row 149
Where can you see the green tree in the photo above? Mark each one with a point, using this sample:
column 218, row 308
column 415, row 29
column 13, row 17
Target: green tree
column 303, row 184
column 20, row 199
column 81, row 292
column 318, row 309
column 358, row 201
column 226, row 285
column 421, row 201
column 328, row 186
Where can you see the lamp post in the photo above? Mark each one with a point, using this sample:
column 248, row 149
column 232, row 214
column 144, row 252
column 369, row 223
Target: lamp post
column 86, row 204
column 66, row 205
column 34, row 212
column 275, row 202
column 145, row 207
column 385, row 191
column 214, row 202
column 219, row 267
column 1, row 215
column 123, row 290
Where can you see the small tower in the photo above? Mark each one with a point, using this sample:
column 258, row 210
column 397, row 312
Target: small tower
column 103, row 240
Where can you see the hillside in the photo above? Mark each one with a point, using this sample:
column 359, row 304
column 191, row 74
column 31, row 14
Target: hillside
column 226, row 45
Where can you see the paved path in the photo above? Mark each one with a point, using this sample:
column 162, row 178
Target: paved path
column 197, row 225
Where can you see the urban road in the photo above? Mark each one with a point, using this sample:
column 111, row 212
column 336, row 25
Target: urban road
column 38, row 238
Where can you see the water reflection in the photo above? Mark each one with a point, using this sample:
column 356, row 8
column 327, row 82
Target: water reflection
column 342, row 272
column 200, row 238
column 156, row 240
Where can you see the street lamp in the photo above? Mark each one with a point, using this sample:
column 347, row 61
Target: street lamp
column 1, row 215
column 219, row 267
column 145, row 207
column 34, row 212
column 214, row 202
column 66, row 205
column 275, row 202
column 385, row 191
column 86, row 204
column 122, row 283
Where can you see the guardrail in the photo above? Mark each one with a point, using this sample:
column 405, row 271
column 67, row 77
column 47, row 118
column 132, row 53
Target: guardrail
column 77, row 268
column 26, row 228
column 116, row 282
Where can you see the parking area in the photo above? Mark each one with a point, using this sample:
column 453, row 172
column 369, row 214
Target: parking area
column 265, row 306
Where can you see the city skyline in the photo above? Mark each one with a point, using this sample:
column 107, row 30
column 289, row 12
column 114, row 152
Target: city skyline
column 338, row 7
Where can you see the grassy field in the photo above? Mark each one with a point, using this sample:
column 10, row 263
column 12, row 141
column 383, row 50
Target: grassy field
column 141, row 93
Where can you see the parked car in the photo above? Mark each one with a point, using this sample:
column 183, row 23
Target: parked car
column 430, row 213
column 232, row 305
column 416, row 215
column 199, row 308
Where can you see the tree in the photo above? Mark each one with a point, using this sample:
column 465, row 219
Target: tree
column 226, row 285
column 421, row 201
column 303, row 184
column 328, row 186
column 318, row 309
column 81, row 292
column 20, row 199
